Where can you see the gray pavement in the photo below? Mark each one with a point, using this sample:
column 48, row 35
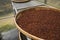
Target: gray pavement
column 10, row 35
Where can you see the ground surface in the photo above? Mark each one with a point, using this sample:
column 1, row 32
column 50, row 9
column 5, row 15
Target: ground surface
column 10, row 35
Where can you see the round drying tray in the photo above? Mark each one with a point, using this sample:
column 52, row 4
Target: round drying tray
column 21, row 1
column 23, row 31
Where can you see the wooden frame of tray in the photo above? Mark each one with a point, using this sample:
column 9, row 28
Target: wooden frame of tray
column 20, row 2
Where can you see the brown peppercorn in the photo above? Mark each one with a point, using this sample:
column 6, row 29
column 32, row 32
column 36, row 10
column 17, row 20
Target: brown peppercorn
column 41, row 22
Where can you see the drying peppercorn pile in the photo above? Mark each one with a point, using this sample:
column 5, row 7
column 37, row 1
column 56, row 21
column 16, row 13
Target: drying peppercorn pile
column 41, row 22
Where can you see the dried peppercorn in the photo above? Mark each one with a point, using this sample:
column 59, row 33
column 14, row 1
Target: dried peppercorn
column 41, row 22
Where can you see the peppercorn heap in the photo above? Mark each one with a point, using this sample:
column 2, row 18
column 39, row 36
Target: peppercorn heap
column 41, row 22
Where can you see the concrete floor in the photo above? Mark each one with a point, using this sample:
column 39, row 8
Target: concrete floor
column 10, row 35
